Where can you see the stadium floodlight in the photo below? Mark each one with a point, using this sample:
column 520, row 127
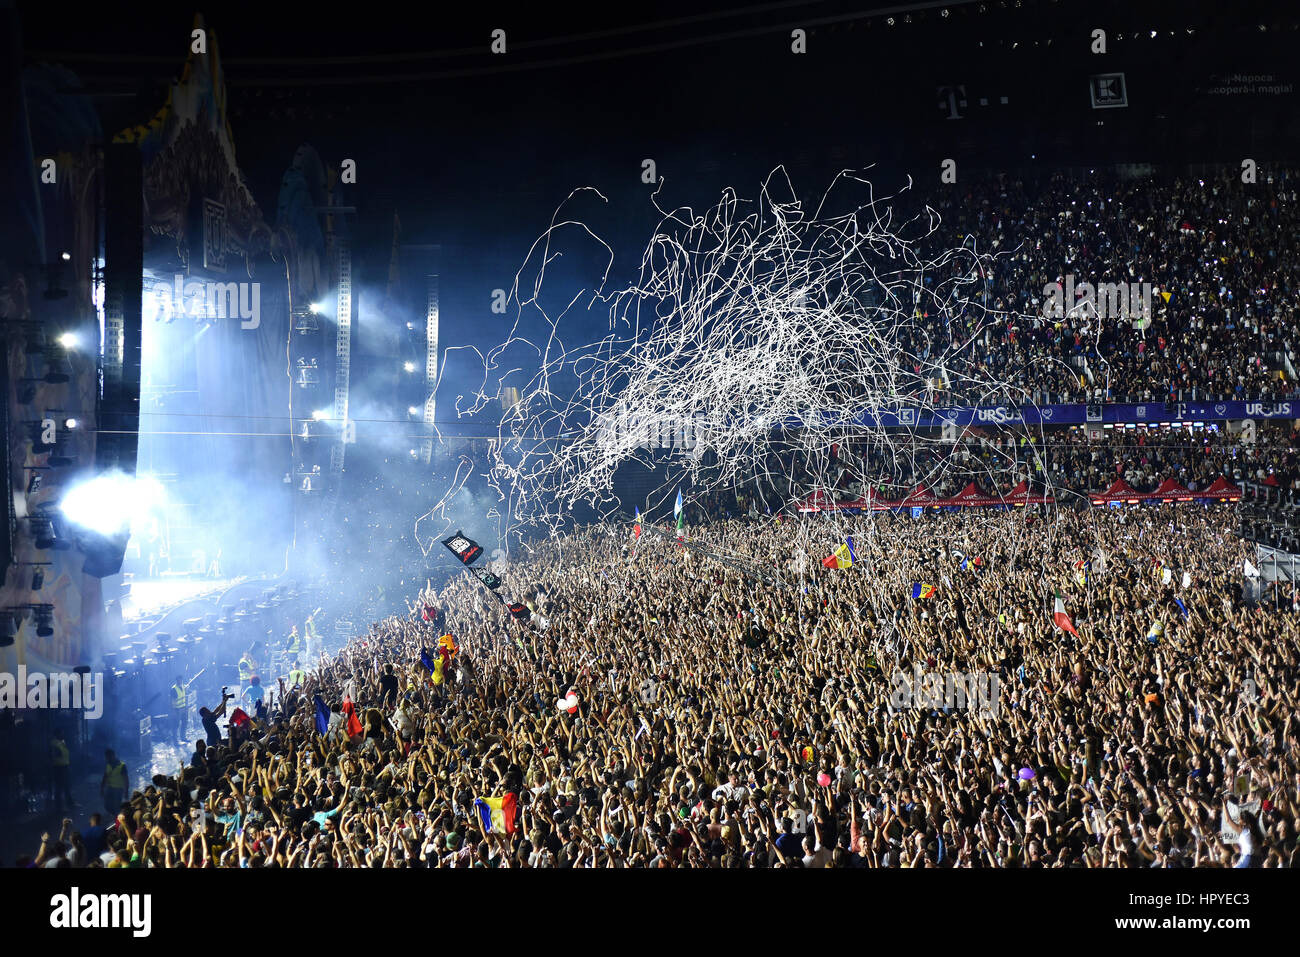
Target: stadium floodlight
column 109, row 502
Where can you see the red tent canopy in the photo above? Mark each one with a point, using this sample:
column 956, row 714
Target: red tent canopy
column 822, row 501
column 971, row 496
column 1171, row 490
column 1119, row 491
column 818, row 501
column 919, row 496
column 1221, row 489
column 1020, row 495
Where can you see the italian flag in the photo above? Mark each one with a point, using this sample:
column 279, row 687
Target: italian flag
column 1062, row 618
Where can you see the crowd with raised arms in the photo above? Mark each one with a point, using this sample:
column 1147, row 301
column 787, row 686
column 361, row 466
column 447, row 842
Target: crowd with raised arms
column 650, row 705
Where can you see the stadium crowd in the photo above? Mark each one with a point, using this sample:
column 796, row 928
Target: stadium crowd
column 666, row 708
column 731, row 701
column 1220, row 258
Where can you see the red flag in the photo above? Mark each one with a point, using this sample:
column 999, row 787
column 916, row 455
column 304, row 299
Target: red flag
column 354, row 723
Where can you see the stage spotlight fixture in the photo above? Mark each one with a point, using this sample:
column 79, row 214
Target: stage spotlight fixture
column 315, row 308
column 68, row 340
column 412, row 410
column 107, row 503
column 411, row 326
column 44, row 621
column 38, row 579
column 69, row 423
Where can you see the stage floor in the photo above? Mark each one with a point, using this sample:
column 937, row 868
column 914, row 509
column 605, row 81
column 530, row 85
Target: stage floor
column 151, row 597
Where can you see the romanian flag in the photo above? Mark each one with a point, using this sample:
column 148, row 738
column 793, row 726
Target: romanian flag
column 842, row 557
column 497, row 815
column 636, row 527
column 1061, row 618
column 922, row 590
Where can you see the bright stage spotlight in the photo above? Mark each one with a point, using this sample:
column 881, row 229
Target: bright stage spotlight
column 412, row 410
column 320, row 415
column 316, row 307
column 408, row 366
column 108, row 503
column 68, row 340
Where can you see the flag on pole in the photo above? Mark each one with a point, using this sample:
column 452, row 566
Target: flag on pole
column 677, row 514
column 1061, row 618
column 636, row 527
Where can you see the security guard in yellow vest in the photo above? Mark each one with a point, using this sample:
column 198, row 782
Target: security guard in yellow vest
column 112, row 787
column 296, row 676
column 295, row 643
column 180, row 709
column 60, row 759
column 246, row 667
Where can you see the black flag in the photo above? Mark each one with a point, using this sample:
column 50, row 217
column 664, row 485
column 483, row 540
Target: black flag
column 466, row 549
column 486, row 577
column 519, row 611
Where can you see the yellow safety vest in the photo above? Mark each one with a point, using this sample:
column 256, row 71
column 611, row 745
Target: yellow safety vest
column 60, row 756
column 296, row 677
column 245, row 668
column 116, row 775
column 178, row 697
column 295, row 642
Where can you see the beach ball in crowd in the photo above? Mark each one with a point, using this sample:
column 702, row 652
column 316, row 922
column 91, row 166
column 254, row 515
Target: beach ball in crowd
column 1027, row 774
column 807, row 754
column 823, row 779
column 568, row 703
